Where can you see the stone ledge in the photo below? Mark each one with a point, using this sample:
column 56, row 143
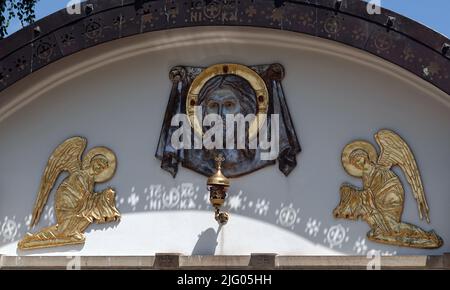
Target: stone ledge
column 351, row 262
column 230, row 262
column 74, row 262
column 214, row 262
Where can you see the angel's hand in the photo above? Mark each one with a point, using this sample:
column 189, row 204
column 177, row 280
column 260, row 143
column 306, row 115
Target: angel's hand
column 109, row 191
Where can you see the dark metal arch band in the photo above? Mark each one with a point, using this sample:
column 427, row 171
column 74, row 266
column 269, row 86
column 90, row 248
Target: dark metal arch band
column 388, row 35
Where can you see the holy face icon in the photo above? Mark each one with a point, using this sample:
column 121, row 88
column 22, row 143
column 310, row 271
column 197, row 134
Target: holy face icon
column 227, row 109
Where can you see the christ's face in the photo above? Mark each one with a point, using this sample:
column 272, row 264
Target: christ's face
column 222, row 102
column 230, row 95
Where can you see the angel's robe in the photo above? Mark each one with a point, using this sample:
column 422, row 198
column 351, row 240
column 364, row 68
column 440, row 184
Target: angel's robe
column 386, row 192
column 75, row 199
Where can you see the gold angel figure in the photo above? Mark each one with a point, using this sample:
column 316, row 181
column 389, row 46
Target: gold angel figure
column 381, row 200
column 76, row 203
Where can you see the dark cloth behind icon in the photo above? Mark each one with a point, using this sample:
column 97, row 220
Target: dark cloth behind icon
column 237, row 161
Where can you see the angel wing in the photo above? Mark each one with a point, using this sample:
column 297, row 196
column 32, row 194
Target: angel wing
column 66, row 157
column 395, row 151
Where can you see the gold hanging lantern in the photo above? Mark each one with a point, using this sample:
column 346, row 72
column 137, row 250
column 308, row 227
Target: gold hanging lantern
column 218, row 185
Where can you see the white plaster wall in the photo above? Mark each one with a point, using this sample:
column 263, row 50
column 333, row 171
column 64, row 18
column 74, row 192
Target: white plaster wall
column 121, row 103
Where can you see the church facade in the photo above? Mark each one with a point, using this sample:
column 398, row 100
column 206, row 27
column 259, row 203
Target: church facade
column 111, row 153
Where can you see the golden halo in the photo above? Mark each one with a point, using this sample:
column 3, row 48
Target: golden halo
column 350, row 148
column 256, row 82
column 108, row 173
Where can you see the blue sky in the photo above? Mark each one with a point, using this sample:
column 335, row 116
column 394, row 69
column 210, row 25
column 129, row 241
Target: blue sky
column 432, row 13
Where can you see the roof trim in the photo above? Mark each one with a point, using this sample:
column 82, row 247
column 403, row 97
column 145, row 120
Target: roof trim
column 388, row 35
